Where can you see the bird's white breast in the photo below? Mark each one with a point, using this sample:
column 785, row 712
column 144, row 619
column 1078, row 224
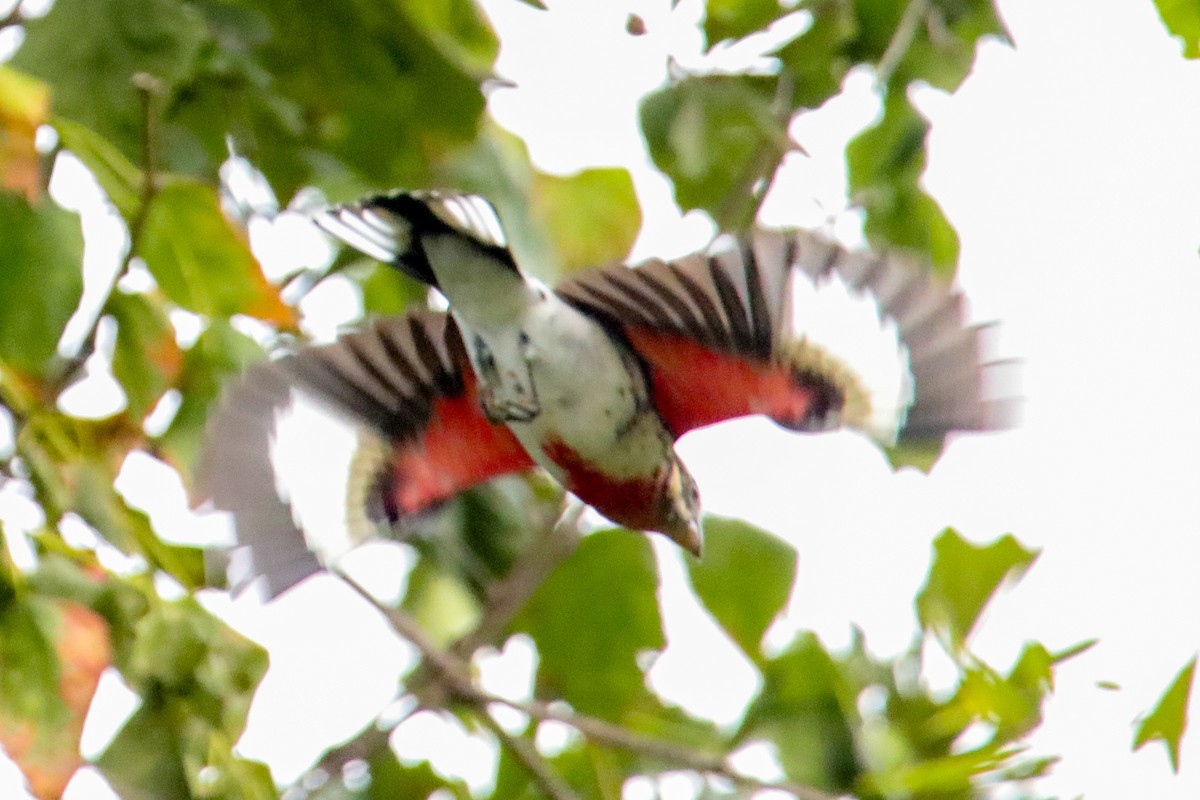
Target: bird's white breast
column 591, row 395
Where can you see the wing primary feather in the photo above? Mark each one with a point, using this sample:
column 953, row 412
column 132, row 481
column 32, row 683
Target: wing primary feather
column 719, row 334
column 761, row 332
column 655, row 276
column 731, row 303
column 633, row 284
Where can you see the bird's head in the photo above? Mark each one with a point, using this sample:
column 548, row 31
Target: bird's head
column 682, row 508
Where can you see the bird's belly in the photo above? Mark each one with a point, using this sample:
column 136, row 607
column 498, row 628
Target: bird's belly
column 593, row 403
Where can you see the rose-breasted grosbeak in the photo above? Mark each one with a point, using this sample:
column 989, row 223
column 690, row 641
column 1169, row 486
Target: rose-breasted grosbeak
column 592, row 381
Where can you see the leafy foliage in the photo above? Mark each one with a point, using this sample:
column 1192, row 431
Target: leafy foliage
column 1183, row 20
column 151, row 96
column 1168, row 719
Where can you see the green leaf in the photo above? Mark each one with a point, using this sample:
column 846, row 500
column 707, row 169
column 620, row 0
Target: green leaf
column 817, row 61
column 143, row 761
column 947, row 775
column 734, row 550
column 806, row 708
column 99, row 504
column 962, row 580
column 117, row 176
column 591, row 217
column 199, row 260
column 1182, row 18
column 733, row 19
column 591, row 618
column 884, row 165
column 146, row 360
column 89, row 51
column 386, row 290
column 1167, row 721
column 440, row 602
column 459, row 32
column 717, row 137
column 40, row 280
column 28, row 668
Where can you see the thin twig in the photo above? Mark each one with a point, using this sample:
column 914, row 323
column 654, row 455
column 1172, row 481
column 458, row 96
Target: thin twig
column 902, row 39
column 14, row 17
column 148, row 88
column 552, row 784
column 454, row 675
column 605, row 733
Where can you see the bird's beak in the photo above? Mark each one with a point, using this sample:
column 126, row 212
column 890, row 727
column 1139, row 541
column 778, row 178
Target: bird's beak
column 688, row 536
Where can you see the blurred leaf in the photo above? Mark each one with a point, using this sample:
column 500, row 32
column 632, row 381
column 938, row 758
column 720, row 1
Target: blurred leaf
column 99, row 504
column 733, row 19
column 817, row 61
column 1182, row 18
column 920, row 454
column 51, row 655
column 744, row 579
column 591, row 217
column 717, row 137
column 440, row 602
column 376, row 93
column 201, row 262
column 146, row 360
column 117, row 176
column 189, row 666
column 89, row 51
column 591, row 618
column 219, row 353
column 949, row 775
column 459, row 32
column 884, row 165
column 1167, row 721
column 806, row 708
column 73, row 464
column 24, row 106
column 387, row 291
column 962, row 580
column 943, row 51
column 40, row 280
column 143, row 761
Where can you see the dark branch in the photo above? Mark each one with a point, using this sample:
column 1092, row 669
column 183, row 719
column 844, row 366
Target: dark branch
column 13, row 17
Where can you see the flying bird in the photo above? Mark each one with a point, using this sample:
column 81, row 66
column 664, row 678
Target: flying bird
column 592, row 380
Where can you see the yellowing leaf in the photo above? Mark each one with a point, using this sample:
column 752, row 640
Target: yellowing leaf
column 1167, row 721
column 46, row 745
column 201, row 262
column 591, row 217
column 962, row 580
column 24, row 105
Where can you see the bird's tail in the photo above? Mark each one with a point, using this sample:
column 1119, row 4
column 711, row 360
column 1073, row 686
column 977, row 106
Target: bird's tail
column 391, row 227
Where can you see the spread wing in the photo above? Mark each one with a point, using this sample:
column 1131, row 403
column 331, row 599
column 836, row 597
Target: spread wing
column 402, row 378
column 723, row 336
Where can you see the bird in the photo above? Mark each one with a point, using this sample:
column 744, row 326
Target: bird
column 592, row 380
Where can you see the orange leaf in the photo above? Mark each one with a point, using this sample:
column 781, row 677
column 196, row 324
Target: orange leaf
column 24, row 106
column 49, row 759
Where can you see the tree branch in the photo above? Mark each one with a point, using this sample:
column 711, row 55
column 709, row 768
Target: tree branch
column 14, row 17
column 552, row 784
column 453, row 673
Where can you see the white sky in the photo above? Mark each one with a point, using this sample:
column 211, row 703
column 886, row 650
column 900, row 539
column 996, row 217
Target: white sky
column 1070, row 168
